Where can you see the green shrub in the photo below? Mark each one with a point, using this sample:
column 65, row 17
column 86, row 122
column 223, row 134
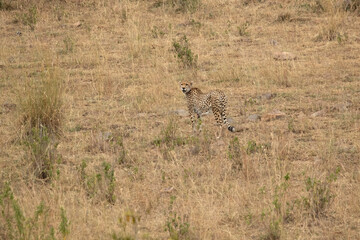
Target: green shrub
column 30, row 18
column 43, row 153
column 184, row 54
column 14, row 224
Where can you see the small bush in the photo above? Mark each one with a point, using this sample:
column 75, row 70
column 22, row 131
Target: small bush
column 184, row 54
column 177, row 227
column 43, row 152
column 64, row 224
column 253, row 147
column 14, row 224
column 319, row 195
column 99, row 184
column 30, row 18
column 243, row 29
column 169, row 136
column 69, row 45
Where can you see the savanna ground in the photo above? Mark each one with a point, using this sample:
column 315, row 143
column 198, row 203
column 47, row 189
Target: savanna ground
column 95, row 145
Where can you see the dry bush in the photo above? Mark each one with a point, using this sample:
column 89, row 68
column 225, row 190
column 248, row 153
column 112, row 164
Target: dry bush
column 41, row 118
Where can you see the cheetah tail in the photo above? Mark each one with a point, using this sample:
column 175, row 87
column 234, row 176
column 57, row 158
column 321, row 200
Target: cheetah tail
column 231, row 128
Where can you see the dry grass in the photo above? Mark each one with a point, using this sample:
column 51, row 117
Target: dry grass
column 124, row 153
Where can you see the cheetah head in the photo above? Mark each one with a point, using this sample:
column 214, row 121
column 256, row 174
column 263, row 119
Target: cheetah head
column 185, row 86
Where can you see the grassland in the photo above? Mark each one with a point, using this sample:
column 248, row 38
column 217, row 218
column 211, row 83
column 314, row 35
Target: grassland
column 92, row 146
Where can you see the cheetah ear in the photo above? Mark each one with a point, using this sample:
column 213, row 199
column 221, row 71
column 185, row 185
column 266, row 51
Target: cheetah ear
column 190, row 84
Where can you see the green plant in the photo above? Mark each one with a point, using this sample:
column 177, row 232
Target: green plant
column 69, row 45
column 121, row 150
column 234, row 154
column 243, row 29
column 110, row 178
column 99, row 184
column 177, row 227
column 30, row 18
column 184, row 54
column 157, row 33
column 319, row 195
column 43, row 152
column 253, row 147
column 169, row 136
column 14, row 224
column 64, row 224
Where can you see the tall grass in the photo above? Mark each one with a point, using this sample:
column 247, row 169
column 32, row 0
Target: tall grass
column 41, row 118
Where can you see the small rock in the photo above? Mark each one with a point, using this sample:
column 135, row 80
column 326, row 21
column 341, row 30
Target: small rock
column 284, row 56
column 18, row 33
column 276, row 114
column 181, row 112
column 318, row 113
column 254, row 117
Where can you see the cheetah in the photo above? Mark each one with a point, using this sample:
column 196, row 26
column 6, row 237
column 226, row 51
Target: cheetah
column 200, row 103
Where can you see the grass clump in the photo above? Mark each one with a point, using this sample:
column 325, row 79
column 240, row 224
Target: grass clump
column 243, row 29
column 43, row 154
column 100, row 184
column 319, row 195
column 169, row 136
column 41, row 119
column 169, row 139
column 184, row 54
column 41, row 103
column 30, row 18
column 14, row 224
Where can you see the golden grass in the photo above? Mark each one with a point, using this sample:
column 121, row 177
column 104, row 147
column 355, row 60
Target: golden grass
column 120, row 77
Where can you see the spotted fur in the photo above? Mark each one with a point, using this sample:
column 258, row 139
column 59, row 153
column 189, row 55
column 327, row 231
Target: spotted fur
column 199, row 103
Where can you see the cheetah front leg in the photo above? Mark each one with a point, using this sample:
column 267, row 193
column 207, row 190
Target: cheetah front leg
column 196, row 122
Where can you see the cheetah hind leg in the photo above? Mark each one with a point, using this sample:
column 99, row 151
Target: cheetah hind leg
column 219, row 122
